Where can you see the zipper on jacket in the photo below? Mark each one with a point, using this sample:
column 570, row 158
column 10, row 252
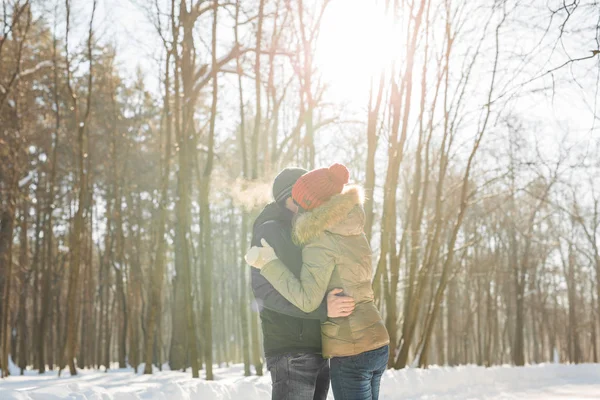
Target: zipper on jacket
column 301, row 330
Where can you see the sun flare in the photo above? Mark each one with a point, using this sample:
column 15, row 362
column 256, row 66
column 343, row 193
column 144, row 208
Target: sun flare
column 355, row 44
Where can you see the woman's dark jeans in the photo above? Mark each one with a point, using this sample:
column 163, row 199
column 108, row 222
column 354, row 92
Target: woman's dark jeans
column 358, row 377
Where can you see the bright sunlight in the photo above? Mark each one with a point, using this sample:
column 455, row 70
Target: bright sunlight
column 355, row 44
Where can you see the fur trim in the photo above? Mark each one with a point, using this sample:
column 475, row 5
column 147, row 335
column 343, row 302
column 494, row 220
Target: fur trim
column 311, row 224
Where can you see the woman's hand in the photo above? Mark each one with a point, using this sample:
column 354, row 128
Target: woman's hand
column 258, row 257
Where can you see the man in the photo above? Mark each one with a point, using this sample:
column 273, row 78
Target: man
column 292, row 338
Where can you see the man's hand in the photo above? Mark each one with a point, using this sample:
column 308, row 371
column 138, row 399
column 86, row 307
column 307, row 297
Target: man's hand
column 339, row 306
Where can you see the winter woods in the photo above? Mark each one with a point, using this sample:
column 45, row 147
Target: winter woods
column 127, row 194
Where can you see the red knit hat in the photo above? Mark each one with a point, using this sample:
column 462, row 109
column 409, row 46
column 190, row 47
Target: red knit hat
column 316, row 187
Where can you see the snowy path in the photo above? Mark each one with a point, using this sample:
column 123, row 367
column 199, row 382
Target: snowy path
column 547, row 382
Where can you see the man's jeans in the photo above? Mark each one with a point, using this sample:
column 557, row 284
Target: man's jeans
column 357, row 377
column 301, row 376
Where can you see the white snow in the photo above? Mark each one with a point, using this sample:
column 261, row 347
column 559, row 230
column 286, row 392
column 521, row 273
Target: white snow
column 24, row 181
column 548, row 382
column 35, row 68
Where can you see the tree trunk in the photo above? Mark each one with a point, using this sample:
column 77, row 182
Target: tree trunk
column 6, row 234
column 205, row 215
column 256, row 348
column 372, row 137
column 180, row 339
column 158, row 269
column 243, row 303
column 258, row 90
column 72, row 318
column 23, row 285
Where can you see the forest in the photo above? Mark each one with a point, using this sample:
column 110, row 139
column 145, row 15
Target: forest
column 129, row 184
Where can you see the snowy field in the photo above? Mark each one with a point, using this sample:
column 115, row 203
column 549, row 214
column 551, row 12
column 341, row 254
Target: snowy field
column 539, row 382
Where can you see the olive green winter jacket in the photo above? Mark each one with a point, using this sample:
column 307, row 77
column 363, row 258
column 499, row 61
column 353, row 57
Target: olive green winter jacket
column 335, row 254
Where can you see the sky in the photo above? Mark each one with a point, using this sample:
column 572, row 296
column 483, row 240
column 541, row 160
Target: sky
column 350, row 49
column 356, row 40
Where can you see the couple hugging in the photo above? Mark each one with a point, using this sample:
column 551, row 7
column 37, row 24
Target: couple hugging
column 311, row 277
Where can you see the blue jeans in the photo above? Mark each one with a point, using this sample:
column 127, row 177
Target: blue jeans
column 358, row 377
column 300, row 376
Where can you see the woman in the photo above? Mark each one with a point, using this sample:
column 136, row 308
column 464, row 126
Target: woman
column 335, row 254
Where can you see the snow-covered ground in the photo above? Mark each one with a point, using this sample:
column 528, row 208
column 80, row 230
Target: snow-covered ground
column 547, row 382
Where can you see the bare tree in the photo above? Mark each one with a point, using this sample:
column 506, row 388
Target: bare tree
column 72, row 318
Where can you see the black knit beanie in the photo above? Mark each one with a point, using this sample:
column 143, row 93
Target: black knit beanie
column 282, row 186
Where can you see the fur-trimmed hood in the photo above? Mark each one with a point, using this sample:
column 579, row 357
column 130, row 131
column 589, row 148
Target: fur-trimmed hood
column 342, row 214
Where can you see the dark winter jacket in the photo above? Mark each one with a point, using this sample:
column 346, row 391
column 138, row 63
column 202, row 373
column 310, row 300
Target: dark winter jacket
column 286, row 328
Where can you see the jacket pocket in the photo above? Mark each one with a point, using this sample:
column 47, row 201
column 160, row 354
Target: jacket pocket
column 330, row 329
